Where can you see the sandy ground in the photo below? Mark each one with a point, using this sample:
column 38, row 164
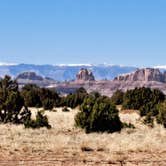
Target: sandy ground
column 66, row 145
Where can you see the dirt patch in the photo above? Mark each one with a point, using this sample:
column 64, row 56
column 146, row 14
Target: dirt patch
column 82, row 159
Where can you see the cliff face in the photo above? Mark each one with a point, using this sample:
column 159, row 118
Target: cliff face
column 147, row 74
column 164, row 77
column 151, row 78
column 85, row 75
column 33, row 78
column 30, row 76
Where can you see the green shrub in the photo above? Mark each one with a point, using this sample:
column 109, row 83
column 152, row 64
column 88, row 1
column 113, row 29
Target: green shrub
column 31, row 95
column 75, row 99
column 149, row 120
column 11, row 102
column 35, row 96
column 54, row 110
column 143, row 99
column 136, row 98
column 48, row 104
column 81, row 90
column 65, row 109
column 13, row 109
column 40, row 121
column 128, row 125
column 161, row 117
column 98, row 115
column 82, row 118
column 49, row 98
column 95, row 94
column 117, row 97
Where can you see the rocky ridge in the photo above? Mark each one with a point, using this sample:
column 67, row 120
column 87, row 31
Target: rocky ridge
column 147, row 74
column 147, row 77
column 30, row 75
column 32, row 78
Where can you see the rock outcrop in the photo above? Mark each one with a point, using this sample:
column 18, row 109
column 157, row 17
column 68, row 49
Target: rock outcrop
column 85, row 75
column 29, row 76
column 152, row 78
column 164, row 76
column 32, row 78
column 147, row 74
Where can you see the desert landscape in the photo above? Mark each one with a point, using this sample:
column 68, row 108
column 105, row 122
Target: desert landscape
column 66, row 145
column 82, row 83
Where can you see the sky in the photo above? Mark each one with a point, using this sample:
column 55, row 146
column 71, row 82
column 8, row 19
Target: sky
column 120, row 32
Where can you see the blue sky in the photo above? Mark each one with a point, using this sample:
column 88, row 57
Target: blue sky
column 125, row 32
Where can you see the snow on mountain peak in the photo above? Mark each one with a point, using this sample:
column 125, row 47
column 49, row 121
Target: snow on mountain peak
column 160, row 67
column 7, row 64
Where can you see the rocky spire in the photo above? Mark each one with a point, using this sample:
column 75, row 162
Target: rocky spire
column 85, row 75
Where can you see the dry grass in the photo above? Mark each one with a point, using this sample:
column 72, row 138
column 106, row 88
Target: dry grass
column 63, row 139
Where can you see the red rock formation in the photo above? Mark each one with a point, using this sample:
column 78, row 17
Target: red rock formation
column 147, row 74
column 85, row 75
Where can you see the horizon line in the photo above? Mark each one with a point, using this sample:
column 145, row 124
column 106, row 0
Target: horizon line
column 82, row 64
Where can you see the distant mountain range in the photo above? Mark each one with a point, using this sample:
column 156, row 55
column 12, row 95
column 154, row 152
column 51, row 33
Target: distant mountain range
column 145, row 77
column 64, row 72
column 105, row 79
